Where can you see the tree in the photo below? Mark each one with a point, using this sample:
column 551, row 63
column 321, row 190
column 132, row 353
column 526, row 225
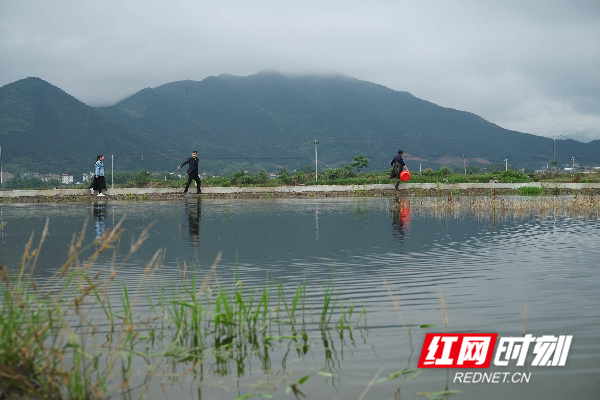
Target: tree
column 360, row 162
column 142, row 178
column 284, row 176
column 445, row 171
column 262, row 176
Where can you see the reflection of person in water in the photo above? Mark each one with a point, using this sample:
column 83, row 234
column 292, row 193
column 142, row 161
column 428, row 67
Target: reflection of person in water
column 193, row 210
column 99, row 211
column 401, row 217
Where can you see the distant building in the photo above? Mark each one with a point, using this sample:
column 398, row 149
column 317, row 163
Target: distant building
column 272, row 175
column 66, row 179
column 88, row 175
column 50, row 177
column 6, row 176
column 29, row 175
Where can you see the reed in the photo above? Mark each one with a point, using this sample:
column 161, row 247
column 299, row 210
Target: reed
column 85, row 334
column 494, row 207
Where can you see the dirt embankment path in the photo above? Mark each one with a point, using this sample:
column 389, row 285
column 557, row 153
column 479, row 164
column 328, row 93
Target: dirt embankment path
column 376, row 190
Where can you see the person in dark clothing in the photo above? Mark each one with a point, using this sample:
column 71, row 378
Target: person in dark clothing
column 192, row 172
column 397, row 166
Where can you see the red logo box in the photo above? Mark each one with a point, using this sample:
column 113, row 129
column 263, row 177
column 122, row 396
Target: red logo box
column 457, row 350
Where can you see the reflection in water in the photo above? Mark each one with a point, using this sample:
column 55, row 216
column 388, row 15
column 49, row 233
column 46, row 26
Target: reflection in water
column 1, row 222
column 317, row 222
column 236, row 356
column 193, row 208
column 401, row 218
column 99, row 212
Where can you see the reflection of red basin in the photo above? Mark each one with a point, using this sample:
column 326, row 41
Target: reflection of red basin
column 404, row 176
column 404, row 215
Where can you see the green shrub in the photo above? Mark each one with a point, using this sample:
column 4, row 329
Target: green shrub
column 445, row 171
column 225, row 182
column 30, row 183
column 261, row 176
column 284, row 176
column 177, row 183
column 339, row 173
column 141, row 179
column 121, row 177
column 530, row 191
column 301, row 177
column 239, row 177
column 511, row 176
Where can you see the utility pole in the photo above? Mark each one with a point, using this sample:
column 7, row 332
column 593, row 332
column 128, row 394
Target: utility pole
column 419, row 167
column 506, row 164
column 1, row 181
column 465, row 163
column 142, row 161
column 316, row 175
column 112, row 170
column 573, row 163
column 554, row 151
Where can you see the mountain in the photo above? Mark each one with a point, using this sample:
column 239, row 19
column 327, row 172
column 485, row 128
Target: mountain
column 277, row 118
column 267, row 120
column 43, row 129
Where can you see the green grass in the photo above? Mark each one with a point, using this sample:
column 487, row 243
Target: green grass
column 336, row 176
column 51, row 345
column 531, row 191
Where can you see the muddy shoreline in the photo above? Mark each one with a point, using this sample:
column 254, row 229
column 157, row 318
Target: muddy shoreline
column 75, row 195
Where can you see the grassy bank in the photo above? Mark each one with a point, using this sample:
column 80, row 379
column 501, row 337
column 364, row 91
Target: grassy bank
column 343, row 176
column 335, row 176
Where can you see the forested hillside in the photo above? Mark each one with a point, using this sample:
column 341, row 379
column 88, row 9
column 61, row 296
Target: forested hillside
column 266, row 120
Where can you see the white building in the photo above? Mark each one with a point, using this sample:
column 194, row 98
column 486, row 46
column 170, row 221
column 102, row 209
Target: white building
column 66, row 179
column 88, row 175
column 51, row 177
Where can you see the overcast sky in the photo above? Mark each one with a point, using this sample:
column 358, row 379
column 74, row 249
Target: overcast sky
column 532, row 66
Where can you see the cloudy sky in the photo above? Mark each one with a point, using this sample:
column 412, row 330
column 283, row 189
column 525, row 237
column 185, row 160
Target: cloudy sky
column 528, row 65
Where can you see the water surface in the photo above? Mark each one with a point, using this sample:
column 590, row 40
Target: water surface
column 488, row 272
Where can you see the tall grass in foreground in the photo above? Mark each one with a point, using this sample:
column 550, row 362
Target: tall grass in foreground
column 83, row 334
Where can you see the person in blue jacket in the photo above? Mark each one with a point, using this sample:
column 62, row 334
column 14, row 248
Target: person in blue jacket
column 99, row 183
column 192, row 172
column 397, row 166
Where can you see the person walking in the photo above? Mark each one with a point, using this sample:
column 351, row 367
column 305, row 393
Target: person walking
column 397, row 166
column 192, row 172
column 99, row 183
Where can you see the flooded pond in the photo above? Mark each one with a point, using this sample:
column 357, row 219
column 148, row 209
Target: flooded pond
column 409, row 266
